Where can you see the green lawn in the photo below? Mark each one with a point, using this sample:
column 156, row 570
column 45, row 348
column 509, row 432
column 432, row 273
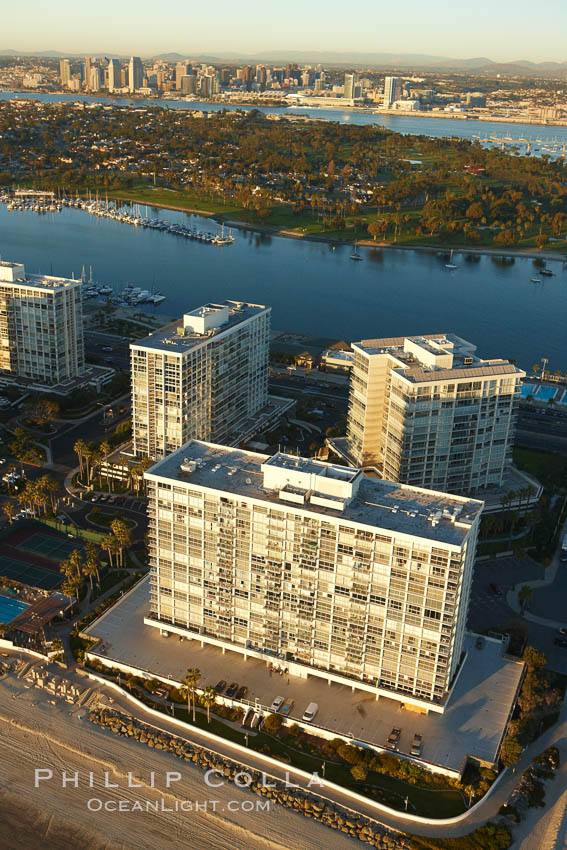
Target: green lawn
column 438, row 803
column 549, row 468
column 105, row 519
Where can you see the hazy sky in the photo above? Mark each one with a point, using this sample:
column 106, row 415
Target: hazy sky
column 499, row 29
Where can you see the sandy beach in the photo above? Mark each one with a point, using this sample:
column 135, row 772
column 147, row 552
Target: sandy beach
column 36, row 734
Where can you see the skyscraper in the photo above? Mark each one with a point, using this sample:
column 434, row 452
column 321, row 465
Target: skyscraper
column 204, row 377
column 88, row 66
column 64, row 72
column 114, row 80
column 135, row 74
column 182, row 69
column 189, row 84
column 41, row 325
column 350, row 82
column 392, row 90
column 425, row 410
column 336, row 575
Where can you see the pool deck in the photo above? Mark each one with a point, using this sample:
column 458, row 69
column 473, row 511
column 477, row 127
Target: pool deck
column 10, row 608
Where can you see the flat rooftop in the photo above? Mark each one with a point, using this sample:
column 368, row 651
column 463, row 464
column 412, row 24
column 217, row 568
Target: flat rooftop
column 472, row 725
column 177, row 338
column 376, row 503
column 14, row 274
column 436, row 357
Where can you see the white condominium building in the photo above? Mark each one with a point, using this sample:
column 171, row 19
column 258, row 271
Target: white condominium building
column 426, row 411
column 326, row 571
column 204, row 377
column 41, row 326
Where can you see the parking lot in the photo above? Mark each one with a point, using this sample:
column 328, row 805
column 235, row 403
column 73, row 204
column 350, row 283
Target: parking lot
column 473, row 722
column 129, row 502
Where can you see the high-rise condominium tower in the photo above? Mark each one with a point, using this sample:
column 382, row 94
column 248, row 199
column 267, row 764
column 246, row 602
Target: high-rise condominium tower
column 114, row 75
column 392, row 90
column 333, row 574
column 135, row 74
column 350, row 82
column 41, row 325
column 64, row 71
column 425, row 410
column 202, row 377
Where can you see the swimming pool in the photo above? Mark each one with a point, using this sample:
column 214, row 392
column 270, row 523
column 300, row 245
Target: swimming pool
column 563, row 399
column 545, row 393
column 526, row 390
column 10, row 608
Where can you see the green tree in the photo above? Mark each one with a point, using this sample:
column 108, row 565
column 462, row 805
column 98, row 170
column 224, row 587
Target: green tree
column 272, row 723
column 534, row 658
column 358, row 772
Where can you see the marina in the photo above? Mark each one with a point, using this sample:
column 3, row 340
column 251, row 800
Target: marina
column 314, row 288
column 43, row 202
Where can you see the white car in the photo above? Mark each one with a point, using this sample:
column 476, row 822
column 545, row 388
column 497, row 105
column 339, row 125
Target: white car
column 310, row 712
column 277, row 704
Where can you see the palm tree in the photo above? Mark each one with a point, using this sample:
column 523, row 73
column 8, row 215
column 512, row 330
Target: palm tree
column 80, row 448
column 105, row 448
column 10, row 511
column 191, row 681
column 525, row 595
column 123, row 535
column 76, row 561
column 69, row 589
column 92, row 563
column 108, row 544
column 208, row 697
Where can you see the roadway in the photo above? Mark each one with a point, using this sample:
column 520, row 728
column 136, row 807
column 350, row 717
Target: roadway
column 119, row 355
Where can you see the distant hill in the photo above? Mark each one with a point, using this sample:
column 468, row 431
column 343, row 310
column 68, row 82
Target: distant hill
column 390, row 61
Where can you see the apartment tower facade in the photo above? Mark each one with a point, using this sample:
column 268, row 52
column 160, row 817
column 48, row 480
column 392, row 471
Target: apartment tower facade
column 202, row 377
column 329, row 572
column 41, row 326
column 427, row 411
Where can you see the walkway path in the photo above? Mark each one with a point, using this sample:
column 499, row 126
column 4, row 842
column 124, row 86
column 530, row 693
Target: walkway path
column 549, row 578
column 485, row 810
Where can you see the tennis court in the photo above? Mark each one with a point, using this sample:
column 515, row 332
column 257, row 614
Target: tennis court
column 29, row 574
column 49, row 546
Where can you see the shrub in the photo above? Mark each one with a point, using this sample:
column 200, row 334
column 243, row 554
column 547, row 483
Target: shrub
column 350, row 754
column 273, row 723
column 358, row 772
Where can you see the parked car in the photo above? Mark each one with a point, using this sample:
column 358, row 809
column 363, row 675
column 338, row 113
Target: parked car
column 416, row 745
column 495, row 589
column 479, row 643
column 562, row 632
column 277, row 704
column 220, row 686
column 287, row 706
column 310, row 712
column 394, row 739
column 232, row 689
column 241, row 692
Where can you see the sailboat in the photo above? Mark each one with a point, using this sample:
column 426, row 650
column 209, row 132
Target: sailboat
column 355, row 255
column 451, row 265
column 221, row 239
